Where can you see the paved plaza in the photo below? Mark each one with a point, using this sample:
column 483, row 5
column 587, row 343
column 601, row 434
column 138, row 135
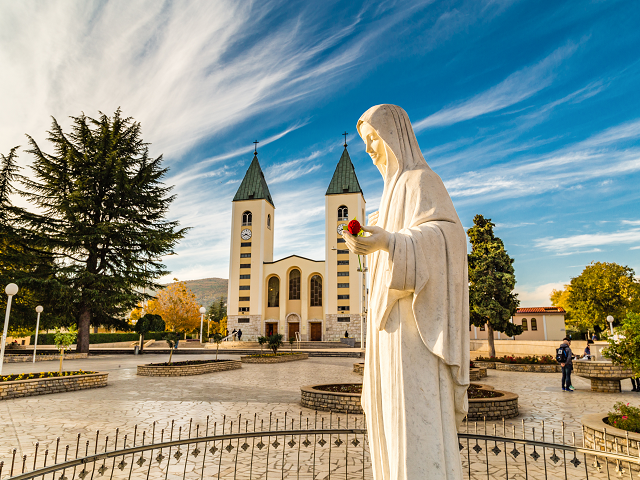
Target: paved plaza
column 131, row 400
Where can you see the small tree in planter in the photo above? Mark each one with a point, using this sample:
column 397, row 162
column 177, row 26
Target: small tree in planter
column 171, row 338
column 217, row 338
column 291, row 342
column 275, row 342
column 148, row 323
column 64, row 340
column 262, row 341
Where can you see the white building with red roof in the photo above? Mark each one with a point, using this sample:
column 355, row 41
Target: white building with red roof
column 538, row 323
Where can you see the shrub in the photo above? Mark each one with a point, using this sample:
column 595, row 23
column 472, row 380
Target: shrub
column 275, row 342
column 486, row 359
column 625, row 417
column 526, row 360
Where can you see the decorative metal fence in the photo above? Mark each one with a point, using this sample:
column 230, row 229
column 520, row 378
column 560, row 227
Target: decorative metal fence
column 306, row 448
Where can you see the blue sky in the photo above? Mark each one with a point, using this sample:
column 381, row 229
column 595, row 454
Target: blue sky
column 529, row 111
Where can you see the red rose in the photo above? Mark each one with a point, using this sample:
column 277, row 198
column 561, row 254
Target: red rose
column 354, row 227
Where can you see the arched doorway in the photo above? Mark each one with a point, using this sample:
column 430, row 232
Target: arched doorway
column 293, row 325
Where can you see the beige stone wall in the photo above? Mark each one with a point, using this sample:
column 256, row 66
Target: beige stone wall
column 334, row 330
column 44, row 386
column 42, row 357
column 250, row 331
column 527, row 347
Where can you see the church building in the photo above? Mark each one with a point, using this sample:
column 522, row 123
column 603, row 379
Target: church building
column 319, row 300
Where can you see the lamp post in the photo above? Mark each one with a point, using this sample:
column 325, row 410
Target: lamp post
column 202, row 312
column 10, row 290
column 35, row 345
column 610, row 320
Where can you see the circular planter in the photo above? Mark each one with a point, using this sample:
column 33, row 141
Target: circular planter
column 271, row 359
column 594, row 426
column 523, row 367
column 485, row 364
column 496, row 408
column 358, row 368
column 605, row 376
column 182, row 369
column 313, row 397
column 44, row 386
column 475, row 374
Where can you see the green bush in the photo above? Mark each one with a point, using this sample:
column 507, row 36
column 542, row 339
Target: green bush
column 526, row 360
column 625, row 417
column 97, row 338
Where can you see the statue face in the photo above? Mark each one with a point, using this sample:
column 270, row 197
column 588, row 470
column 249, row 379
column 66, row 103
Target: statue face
column 375, row 145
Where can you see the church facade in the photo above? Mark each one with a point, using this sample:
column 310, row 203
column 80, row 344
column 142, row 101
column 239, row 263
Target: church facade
column 316, row 300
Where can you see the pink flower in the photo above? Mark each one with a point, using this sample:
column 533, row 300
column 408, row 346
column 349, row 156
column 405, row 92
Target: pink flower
column 624, row 417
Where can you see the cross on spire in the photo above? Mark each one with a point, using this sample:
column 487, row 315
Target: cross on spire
column 255, row 150
column 345, row 139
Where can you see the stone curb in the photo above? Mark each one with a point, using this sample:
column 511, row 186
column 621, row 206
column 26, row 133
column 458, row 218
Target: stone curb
column 528, row 367
column 149, row 370
column 43, row 357
column 475, row 374
column 495, row 408
column 594, row 425
column 44, row 386
column 330, row 401
column 278, row 359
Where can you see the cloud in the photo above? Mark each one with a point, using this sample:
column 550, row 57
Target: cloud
column 537, row 296
column 516, row 87
column 631, row 222
column 562, row 244
column 292, row 169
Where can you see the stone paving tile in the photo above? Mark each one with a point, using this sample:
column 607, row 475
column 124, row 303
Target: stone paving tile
column 258, row 391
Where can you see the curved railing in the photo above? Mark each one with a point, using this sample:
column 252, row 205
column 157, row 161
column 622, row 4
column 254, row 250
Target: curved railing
column 315, row 449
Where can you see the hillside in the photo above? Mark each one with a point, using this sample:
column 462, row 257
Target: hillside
column 207, row 290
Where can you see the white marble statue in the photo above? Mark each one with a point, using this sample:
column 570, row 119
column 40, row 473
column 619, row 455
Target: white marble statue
column 417, row 358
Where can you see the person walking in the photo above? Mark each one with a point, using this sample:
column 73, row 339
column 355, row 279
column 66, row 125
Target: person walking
column 234, row 333
column 239, row 335
column 564, row 357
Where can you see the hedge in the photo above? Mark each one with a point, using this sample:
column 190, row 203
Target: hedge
column 47, row 338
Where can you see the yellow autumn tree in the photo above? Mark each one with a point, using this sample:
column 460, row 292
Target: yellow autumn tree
column 177, row 306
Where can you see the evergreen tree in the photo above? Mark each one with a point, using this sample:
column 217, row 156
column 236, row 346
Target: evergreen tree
column 101, row 210
column 491, row 282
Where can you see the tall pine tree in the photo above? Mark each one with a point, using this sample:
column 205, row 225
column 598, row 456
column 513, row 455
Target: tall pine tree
column 101, row 210
column 491, row 282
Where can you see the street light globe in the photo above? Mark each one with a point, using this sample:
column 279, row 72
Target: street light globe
column 203, row 310
column 39, row 309
column 610, row 319
column 11, row 289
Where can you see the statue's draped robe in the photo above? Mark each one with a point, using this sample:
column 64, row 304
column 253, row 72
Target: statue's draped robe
column 417, row 358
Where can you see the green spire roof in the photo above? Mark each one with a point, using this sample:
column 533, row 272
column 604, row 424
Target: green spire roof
column 344, row 178
column 253, row 186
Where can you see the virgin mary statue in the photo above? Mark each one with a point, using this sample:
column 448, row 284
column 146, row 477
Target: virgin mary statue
column 417, row 358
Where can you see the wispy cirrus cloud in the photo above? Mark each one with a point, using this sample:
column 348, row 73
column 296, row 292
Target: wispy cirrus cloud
column 515, row 88
column 562, row 244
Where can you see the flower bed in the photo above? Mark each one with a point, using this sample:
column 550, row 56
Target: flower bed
column 43, row 383
column 42, row 357
column 485, row 402
column 340, row 398
column 186, row 368
column 528, row 363
column 615, row 440
column 270, row 358
column 358, row 368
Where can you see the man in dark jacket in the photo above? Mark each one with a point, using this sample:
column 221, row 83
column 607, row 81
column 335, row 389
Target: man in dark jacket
column 567, row 365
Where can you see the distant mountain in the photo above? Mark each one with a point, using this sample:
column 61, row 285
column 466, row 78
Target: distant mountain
column 208, row 290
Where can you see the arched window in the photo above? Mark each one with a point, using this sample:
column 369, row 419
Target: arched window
column 343, row 213
column 316, row 291
column 294, row 284
column 534, row 324
column 273, row 296
column 524, row 325
column 246, row 219
column 269, row 221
